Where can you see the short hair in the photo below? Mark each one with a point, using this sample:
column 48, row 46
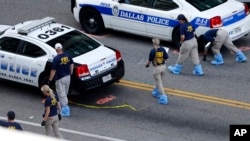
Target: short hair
column 11, row 115
column 156, row 41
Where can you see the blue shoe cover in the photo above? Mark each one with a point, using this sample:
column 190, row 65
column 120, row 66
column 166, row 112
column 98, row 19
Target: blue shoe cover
column 240, row 57
column 218, row 60
column 65, row 111
column 198, row 70
column 163, row 99
column 156, row 93
column 175, row 69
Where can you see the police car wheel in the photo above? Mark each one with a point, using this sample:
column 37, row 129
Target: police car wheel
column 176, row 38
column 91, row 21
column 43, row 79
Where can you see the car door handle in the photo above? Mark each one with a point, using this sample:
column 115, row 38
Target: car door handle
column 10, row 57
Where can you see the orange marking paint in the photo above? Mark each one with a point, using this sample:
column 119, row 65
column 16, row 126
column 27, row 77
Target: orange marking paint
column 106, row 99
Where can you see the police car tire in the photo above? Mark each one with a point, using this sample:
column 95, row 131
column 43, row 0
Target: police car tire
column 43, row 79
column 176, row 37
column 86, row 15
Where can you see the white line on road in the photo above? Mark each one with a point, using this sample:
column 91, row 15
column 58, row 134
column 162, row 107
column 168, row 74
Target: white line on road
column 69, row 131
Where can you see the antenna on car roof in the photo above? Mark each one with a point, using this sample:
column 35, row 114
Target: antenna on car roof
column 35, row 25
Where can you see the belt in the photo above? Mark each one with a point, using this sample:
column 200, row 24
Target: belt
column 159, row 64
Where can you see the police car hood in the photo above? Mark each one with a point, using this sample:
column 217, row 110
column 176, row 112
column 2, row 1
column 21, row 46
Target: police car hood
column 98, row 60
column 4, row 27
column 230, row 12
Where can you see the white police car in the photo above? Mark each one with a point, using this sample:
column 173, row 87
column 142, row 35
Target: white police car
column 157, row 18
column 27, row 51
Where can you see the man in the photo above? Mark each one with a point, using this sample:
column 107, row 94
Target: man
column 61, row 71
column 157, row 57
column 189, row 47
column 11, row 124
column 219, row 37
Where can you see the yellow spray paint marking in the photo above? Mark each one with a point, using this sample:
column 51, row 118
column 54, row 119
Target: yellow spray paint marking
column 104, row 107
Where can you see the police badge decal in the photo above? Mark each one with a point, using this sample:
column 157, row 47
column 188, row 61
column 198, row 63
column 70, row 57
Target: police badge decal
column 115, row 10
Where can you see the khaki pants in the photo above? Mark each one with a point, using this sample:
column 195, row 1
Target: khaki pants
column 53, row 124
column 222, row 38
column 62, row 89
column 189, row 48
column 159, row 74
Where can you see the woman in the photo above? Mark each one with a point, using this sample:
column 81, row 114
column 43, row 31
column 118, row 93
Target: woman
column 189, row 47
column 52, row 112
column 157, row 58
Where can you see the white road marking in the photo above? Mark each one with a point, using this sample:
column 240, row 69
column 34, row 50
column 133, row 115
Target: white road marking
column 69, row 131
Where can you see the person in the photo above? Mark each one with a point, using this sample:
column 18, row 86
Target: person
column 219, row 37
column 61, row 71
column 189, row 47
column 157, row 57
column 11, row 124
column 51, row 114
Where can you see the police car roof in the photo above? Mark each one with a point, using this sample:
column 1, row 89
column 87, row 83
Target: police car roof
column 39, row 29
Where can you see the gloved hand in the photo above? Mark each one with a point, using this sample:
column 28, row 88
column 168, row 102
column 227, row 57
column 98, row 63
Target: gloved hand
column 43, row 123
column 49, row 83
column 59, row 117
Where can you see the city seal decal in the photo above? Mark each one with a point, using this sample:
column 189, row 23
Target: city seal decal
column 115, row 10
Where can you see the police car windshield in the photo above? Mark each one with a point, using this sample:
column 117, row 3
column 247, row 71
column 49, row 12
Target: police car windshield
column 203, row 5
column 75, row 43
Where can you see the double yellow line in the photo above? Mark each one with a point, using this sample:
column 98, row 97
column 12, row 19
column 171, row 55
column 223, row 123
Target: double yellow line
column 185, row 94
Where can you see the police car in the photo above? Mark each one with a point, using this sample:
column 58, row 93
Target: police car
column 157, row 18
column 27, row 51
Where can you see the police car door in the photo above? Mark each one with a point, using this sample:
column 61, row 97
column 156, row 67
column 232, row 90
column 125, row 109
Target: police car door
column 30, row 61
column 8, row 48
column 161, row 18
column 129, row 16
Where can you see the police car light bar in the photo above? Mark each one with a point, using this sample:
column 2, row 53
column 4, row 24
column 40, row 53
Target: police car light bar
column 35, row 25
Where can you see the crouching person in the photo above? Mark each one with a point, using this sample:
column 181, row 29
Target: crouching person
column 219, row 37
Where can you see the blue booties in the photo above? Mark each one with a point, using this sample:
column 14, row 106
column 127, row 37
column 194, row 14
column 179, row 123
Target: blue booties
column 175, row 69
column 240, row 57
column 218, row 60
column 163, row 99
column 198, row 70
column 65, row 111
column 156, row 93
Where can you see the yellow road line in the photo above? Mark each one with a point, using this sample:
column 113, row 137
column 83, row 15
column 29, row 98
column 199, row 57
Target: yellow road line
column 189, row 95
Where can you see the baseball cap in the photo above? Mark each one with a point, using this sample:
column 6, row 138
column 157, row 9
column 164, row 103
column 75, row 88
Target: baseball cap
column 11, row 115
column 181, row 17
column 58, row 46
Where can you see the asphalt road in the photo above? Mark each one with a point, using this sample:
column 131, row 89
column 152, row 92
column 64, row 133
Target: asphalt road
column 200, row 108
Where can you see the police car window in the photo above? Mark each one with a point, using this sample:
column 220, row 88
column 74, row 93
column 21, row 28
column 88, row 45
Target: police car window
column 9, row 44
column 32, row 50
column 143, row 3
column 164, row 5
column 75, row 43
column 203, row 5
